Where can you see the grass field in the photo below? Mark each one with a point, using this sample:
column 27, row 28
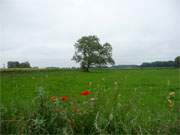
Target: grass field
column 137, row 101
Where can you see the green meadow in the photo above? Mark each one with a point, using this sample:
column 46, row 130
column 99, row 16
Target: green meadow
column 128, row 101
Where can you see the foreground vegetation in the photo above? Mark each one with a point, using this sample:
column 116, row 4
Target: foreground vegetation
column 141, row 101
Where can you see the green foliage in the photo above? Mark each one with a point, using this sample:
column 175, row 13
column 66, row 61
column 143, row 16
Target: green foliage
column 177, row 61
column 89, row 52
column 122, row 102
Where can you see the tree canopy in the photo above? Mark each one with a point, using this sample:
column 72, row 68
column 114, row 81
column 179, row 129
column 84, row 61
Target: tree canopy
column 177, row 61
column 89, row 52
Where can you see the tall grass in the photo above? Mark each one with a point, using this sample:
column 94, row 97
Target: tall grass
column 100, row 112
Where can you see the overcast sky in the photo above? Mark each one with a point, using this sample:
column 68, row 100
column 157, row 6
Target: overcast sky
column 43, row 32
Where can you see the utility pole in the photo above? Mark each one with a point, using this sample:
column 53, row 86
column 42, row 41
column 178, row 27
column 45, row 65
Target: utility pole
column 4, row 66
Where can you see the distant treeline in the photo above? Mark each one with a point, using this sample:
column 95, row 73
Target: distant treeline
column 16, row 64
column 125, row 66
column 158, row 64
column 175, row 63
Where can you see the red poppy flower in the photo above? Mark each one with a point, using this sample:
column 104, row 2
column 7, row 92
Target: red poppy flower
column 53, row 98
column 85, row 93
column 64, row 98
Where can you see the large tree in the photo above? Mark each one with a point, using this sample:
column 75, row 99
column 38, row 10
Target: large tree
column 89, row 52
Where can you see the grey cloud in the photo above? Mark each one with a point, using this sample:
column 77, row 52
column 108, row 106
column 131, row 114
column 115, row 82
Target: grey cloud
column 44, row 31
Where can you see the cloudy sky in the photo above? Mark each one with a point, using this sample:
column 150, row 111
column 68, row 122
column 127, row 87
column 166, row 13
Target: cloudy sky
column 43, row 32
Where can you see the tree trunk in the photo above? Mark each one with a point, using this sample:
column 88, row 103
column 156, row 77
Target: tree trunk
column 85, row 68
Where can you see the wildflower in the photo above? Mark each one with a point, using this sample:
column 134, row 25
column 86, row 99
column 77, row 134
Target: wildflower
column 171, row 104
column 110, row 116
column 90, row 83
column 92, row 99
column 170, row 101
column 85, row 93
column 64, row 98
column 53, row 98
column 172, row 93
column 115, row 83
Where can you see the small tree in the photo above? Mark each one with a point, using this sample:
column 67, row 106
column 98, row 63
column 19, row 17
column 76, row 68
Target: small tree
column 177, row 61
column 25, row 65
column 13, row 64
column 16, row 64
column 89, row 52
